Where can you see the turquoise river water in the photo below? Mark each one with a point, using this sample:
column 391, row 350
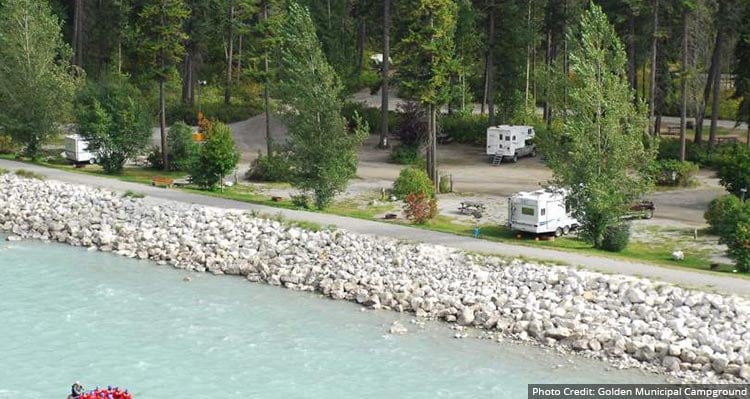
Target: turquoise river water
column 67, row 314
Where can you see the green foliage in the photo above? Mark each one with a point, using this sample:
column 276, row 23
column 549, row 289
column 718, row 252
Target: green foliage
column 670, row 149
column 161, row 36
column 411, row 124
column 730, row 219
column 133, row 194
column 112, row 118
column 419, row 208
column 301, row 201
column 716, row 214
column 741, row 70
column 413, row 181
column 4, row 171
column 324, row 150
column 183, row 149
column 425, row 54
column 599, row 153
column 7, row 146
column 277, row 168
column 36, row 80
column 371, row 115
column 29, row 174
column 403, row 154
column 616, row 237
column 217, row 158
column 671, row 172
column 469, row 129
column 218, row 111
column 445, row 184
column 734, row 169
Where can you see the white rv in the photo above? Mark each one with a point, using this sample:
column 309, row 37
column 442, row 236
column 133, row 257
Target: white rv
column 541, row 212
column 507, row 142
column 76, row 150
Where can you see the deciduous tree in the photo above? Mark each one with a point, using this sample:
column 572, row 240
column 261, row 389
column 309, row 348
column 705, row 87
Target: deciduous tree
column 603, row 158
column 37, row 82
column 324, row 151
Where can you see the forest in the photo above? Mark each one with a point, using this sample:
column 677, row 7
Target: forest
column 504, row 54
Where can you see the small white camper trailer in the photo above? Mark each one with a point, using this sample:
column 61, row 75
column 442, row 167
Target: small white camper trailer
column 76, row 150
column 541, row 212
column 507, row 142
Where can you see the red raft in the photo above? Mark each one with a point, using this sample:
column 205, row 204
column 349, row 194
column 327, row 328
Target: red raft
column 101, row 393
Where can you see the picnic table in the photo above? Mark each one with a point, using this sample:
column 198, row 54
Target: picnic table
column 730, row 139
column 471, row 208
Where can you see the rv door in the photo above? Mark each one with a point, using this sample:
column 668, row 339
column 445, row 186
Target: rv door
column 493, row 141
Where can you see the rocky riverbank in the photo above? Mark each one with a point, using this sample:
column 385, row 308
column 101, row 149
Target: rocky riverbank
column 627, row 321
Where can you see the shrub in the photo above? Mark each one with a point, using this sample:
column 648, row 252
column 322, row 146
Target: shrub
column 4, row 171
column 411, row 124
column 444, row 185
column 277, row 168
column 734, row 169
column 218, row 156
column 183, row 149
column 413, row 181
column 301, row 201
column 469, row 129
column 730, row 219
column 419, row 208
column 405, row 154
column 132, row 194
column 683, row 172
column 616, row 237
column 154, row 158
column 670, row 149
column 29, row 174
column 371, row 115
column 7, row 146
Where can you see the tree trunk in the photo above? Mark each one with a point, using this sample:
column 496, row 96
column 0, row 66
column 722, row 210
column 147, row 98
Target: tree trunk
column 632, row 71
column 484, row 90
column 491, row 67
column 654, row 43
column 78, row 33
column 383, row 143
column 706, row 95
column 361, row 35
column 187, row 77
column 528, row 58
column 716, row 65
column 431, row 144
column 239, row 59
column 163, row 125
column 266, row 94
column 228, row 84
column 683, row 110
column 547, row 113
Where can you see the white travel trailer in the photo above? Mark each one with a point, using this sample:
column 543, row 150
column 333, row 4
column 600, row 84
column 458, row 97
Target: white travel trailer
column 76, row 150
column 541, row 212
column 510, row 142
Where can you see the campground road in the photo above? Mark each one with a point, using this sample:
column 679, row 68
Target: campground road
column 683, row 277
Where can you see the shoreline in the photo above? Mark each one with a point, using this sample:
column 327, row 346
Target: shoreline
column 625, row 321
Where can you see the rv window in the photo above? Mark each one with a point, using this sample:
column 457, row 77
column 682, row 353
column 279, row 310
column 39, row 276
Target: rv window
column 514, row 138
column 527, row 211
column 542, row 211
column 507, row 138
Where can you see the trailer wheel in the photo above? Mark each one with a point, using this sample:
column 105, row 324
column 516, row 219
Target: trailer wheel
column 92, row 161
column 514, row 159
column 558, row 232
column 566, row 230
column 649, row 214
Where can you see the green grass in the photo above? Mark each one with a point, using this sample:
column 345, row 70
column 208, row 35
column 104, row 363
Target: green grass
column 133, row 194
column 29, row 174
column 4, row 171
column 657, row 253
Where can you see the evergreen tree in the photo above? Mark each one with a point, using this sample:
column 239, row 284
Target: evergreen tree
column 603, row 160
column 161, row 45
column 36, row 78
column 426, row 61
column 324, row 152
column 742, row 72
